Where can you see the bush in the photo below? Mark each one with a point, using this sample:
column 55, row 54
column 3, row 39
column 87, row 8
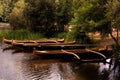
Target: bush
column 62, row 35
column 78, row 36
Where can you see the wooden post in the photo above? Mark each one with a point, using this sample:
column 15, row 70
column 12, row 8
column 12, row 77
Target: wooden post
column 34, row 50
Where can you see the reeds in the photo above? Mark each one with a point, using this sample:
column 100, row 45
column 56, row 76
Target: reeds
column 20, row 35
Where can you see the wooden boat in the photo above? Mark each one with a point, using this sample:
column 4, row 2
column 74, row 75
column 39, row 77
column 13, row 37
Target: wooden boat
column 86, row 55
column 7, row 41
column 35, row 43
column 52, row 47
column 59, row 41
column 47, row 45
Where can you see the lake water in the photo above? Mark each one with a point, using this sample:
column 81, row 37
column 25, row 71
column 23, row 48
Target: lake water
column 26, row 66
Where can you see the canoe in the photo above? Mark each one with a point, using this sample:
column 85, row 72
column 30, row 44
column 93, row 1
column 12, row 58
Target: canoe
column 85, row 55
column 59, row 41
column 47, row 45
column 7, row 41
column 36, row 43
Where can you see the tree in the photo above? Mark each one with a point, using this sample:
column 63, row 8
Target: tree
column 16, row 19
column 1, row 10
column 48, row 17
column 89, row 16
column 63, row 13
column 40, row 16
column 6, row 6
column 113, row 15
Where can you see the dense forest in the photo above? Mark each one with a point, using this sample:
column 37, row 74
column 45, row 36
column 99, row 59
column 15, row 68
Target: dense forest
column 71, row 19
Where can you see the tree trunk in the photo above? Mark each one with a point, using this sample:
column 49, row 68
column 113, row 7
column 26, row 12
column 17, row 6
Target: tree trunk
column 115, row 39
column 117, row 35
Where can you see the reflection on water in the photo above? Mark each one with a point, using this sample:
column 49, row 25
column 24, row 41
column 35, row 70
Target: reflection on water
column 25, row 66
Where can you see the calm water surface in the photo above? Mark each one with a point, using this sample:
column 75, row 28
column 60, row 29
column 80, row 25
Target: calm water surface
column 25, row 66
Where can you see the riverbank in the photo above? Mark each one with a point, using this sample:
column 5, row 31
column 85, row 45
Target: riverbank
column 7, row 32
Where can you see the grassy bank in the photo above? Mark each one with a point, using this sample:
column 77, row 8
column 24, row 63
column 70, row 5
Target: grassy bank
column 28, row 35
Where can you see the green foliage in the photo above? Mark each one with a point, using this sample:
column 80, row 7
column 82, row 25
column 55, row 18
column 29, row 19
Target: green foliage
column 16, row 19
column 61, row 35
column 73, row 35
column 40, row 16
column 48, row 17
column 6, row 7
column 21, row 35
column 1, row 10
column 63, row 13
column 79, row 37
column 113, row 13
column 88, row 15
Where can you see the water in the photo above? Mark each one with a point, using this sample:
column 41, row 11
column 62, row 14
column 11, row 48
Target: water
column 25, row 66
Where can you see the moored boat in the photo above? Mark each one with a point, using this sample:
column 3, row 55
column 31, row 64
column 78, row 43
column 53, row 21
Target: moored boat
column 85, row 55
column 35, row 43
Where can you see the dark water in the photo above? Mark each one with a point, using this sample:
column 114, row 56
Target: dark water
column 25, row 66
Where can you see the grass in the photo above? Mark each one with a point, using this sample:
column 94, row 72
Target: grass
column 26, row 35
column 20, row 35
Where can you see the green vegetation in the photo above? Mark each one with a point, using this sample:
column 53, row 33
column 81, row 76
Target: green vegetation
column 52, row 18
column 48, row 17
column 16, row 18
column 1, row 10
column 113, row 15
column 5, row 9
column 20, row 35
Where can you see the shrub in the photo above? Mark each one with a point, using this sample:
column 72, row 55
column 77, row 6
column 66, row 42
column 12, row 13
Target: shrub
column 62, row 35
column 78, row 36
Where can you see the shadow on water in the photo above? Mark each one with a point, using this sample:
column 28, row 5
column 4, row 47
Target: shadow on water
column 26, row 66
